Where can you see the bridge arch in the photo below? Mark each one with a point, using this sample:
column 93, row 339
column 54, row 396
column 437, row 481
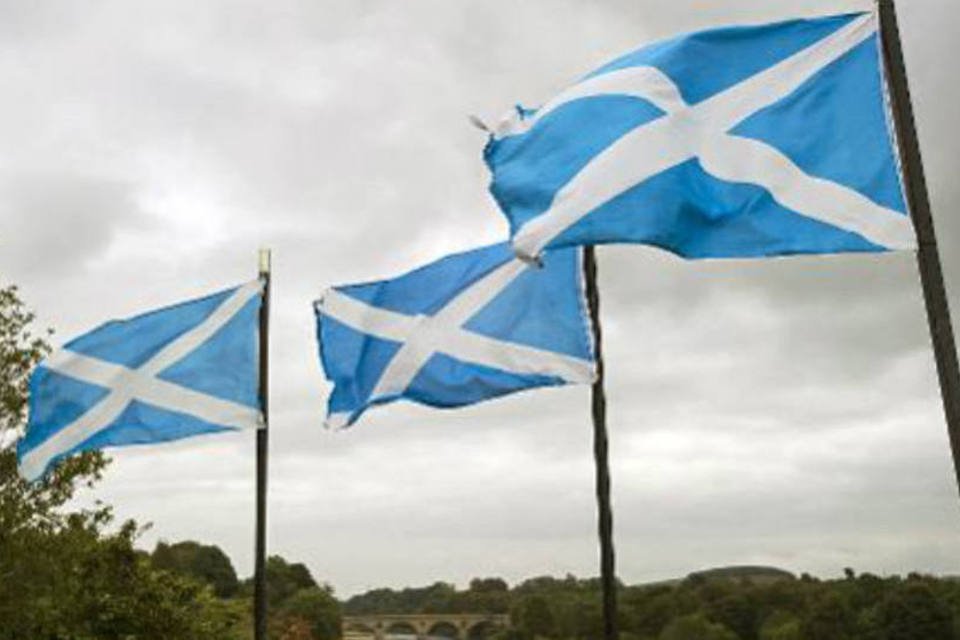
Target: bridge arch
column 444, row 629
column 358, row 628
column 481, row 630
column 424, row 626
column 401, row 628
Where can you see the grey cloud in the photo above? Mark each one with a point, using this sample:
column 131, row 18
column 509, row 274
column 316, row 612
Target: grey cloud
column 54, row 223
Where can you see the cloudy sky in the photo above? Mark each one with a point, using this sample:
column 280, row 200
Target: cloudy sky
column 780, row 412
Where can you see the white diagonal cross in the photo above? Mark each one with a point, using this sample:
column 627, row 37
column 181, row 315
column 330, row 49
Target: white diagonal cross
column 127, row 384
column 701, row 131
column 423, row 336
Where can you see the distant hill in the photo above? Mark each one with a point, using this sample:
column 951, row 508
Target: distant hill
column 756, row 574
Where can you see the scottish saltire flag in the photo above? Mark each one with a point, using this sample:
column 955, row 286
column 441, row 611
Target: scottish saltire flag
column 467, row 328
column 736, row 142
column 176, row 372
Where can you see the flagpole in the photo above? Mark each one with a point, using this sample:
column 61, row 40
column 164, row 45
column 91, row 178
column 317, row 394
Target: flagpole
column 608, row 578
column 259, row 573
column 928, row 255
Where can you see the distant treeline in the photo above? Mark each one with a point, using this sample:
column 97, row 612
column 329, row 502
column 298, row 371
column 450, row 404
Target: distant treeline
column 726, row 604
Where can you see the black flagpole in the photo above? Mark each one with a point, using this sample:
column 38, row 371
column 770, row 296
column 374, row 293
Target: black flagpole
column 928, row 256
column 600, row 453
column 259, row 572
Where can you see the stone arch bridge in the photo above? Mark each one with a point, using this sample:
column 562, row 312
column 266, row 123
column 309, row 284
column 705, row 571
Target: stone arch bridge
column 455, row 626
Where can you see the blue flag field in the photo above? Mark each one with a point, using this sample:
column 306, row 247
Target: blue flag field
column 736, row 142
column 176, row 372
column 470, row 327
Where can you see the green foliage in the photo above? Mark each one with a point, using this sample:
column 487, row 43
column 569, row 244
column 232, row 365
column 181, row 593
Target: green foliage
column 485, row 595
column 647, row 611
column 913, row 612
column 317, row 608
column 113, row 591
column 780, row 625
column 206, row 563
column 753, row 573
column 828, row 617
column 297, row 606
column 30, row 510
column 489, row 585
column 737, row 613
column 20, row 351
column 436, row 598
column 696, row 627
column 533, row 618
column 283, row 580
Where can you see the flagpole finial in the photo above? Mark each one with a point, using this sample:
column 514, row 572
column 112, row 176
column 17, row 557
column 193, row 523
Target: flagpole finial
column 264, row 260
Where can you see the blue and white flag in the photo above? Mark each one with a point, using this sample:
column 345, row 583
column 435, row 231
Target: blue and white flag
column 176, row 372
column 467, row 328
column 736, row 142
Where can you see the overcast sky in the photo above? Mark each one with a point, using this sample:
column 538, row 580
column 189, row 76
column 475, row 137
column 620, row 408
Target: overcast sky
column 782, row 412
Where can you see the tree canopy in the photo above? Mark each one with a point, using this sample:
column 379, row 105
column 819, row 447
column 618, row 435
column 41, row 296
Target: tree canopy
column 205, row 563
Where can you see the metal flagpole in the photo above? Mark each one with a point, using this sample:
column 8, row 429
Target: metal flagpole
column 259, row 574
column 600, row 453
column 928, row 255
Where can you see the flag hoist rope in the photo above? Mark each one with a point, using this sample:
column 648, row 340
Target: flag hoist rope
column 260, row 551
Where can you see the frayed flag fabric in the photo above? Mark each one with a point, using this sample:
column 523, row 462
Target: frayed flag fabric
column 729, row 143
column 464, row 329
column 172, row 373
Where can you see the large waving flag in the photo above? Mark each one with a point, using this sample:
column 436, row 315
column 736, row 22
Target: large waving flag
column 736, row 142
column 176, row 372
column 467, row 328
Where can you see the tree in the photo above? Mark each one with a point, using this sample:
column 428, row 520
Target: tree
column 485, row 595
column 646, row 611
column 780, row 625
column 586, row 622
column 828, row 618
column 26, row 507
column 912, row 612
column 207, row 563
column 112, row 591
column 316, row 609
column 437, row 598
column 489, row 585
column 737, row 613
column 533, row 617
column 283, row 580
column 696, row 627
column 32, row 527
